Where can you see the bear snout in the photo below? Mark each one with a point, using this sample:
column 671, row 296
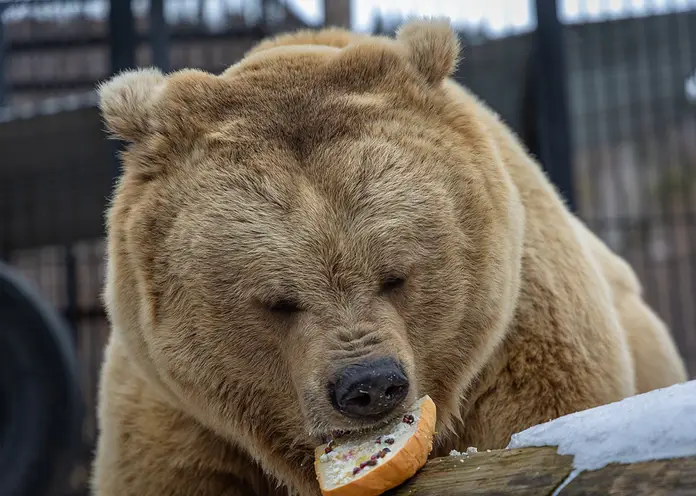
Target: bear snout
column 370, row 389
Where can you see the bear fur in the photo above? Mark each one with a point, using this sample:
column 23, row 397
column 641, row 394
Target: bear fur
column 257, row 217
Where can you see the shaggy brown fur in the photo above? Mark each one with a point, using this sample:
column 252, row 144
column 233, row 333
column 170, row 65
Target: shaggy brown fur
column 309, row 172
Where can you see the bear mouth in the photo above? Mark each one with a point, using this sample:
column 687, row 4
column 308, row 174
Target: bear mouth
column 338, row 433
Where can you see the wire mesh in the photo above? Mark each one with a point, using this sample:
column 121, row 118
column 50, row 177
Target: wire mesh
column 633, row 126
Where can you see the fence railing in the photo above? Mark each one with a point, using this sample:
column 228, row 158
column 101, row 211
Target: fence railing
column 603, row 104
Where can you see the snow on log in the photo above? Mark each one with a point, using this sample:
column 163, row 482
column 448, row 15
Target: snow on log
column 645, row 444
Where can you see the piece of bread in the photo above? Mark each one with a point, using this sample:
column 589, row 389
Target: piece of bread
column 368, row 464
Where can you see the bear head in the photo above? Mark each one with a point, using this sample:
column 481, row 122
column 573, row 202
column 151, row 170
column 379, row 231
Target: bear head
column 313, row 239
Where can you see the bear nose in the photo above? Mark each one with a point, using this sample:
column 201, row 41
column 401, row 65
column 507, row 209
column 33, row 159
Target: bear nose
column 370, row 390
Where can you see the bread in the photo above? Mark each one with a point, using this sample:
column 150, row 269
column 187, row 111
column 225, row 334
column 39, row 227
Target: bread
column 368, row 464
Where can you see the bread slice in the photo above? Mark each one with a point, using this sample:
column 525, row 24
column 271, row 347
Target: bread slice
column 368, row 464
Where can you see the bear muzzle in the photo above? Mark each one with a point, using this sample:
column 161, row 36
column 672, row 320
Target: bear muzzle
column 369, row 390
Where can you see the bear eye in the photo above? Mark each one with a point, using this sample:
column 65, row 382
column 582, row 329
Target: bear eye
column 392, row 283
column 284, row 306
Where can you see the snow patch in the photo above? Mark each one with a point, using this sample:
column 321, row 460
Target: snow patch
column 657, row 425
column 469, row 451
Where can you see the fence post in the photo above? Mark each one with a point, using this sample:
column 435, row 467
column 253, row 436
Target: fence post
column 121, row 35
column 553, row 121
column 71, row 307
column 4, row 249
column 159, row 35
column 122, row 44
column 337, row 13
column 3, row 60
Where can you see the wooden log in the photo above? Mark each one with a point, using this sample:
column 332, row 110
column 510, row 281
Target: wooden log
column 655, row 478
column 539, row 471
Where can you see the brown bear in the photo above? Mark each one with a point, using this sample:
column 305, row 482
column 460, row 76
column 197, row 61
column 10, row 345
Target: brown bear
column 334, row 211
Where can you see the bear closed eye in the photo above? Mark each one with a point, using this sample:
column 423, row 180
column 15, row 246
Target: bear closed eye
column 284, row 306
column 392, row 283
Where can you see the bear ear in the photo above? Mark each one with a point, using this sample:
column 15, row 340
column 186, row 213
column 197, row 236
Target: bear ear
column 126, row 102
column 432, row 46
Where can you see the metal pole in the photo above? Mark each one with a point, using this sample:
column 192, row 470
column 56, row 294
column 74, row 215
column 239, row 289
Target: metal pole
column 337, row 13
column 555, row 146
column 122, row 40
column 71, row 289
column 3, row 60
column 122, row 43
column 159, row 35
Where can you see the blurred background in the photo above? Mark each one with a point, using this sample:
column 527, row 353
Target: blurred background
column 602, row 91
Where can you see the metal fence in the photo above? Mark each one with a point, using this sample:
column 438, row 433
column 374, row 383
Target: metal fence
column 602, row 102
column 635, row 153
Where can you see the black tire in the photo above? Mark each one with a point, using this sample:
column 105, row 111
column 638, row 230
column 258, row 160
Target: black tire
column 40, row 402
